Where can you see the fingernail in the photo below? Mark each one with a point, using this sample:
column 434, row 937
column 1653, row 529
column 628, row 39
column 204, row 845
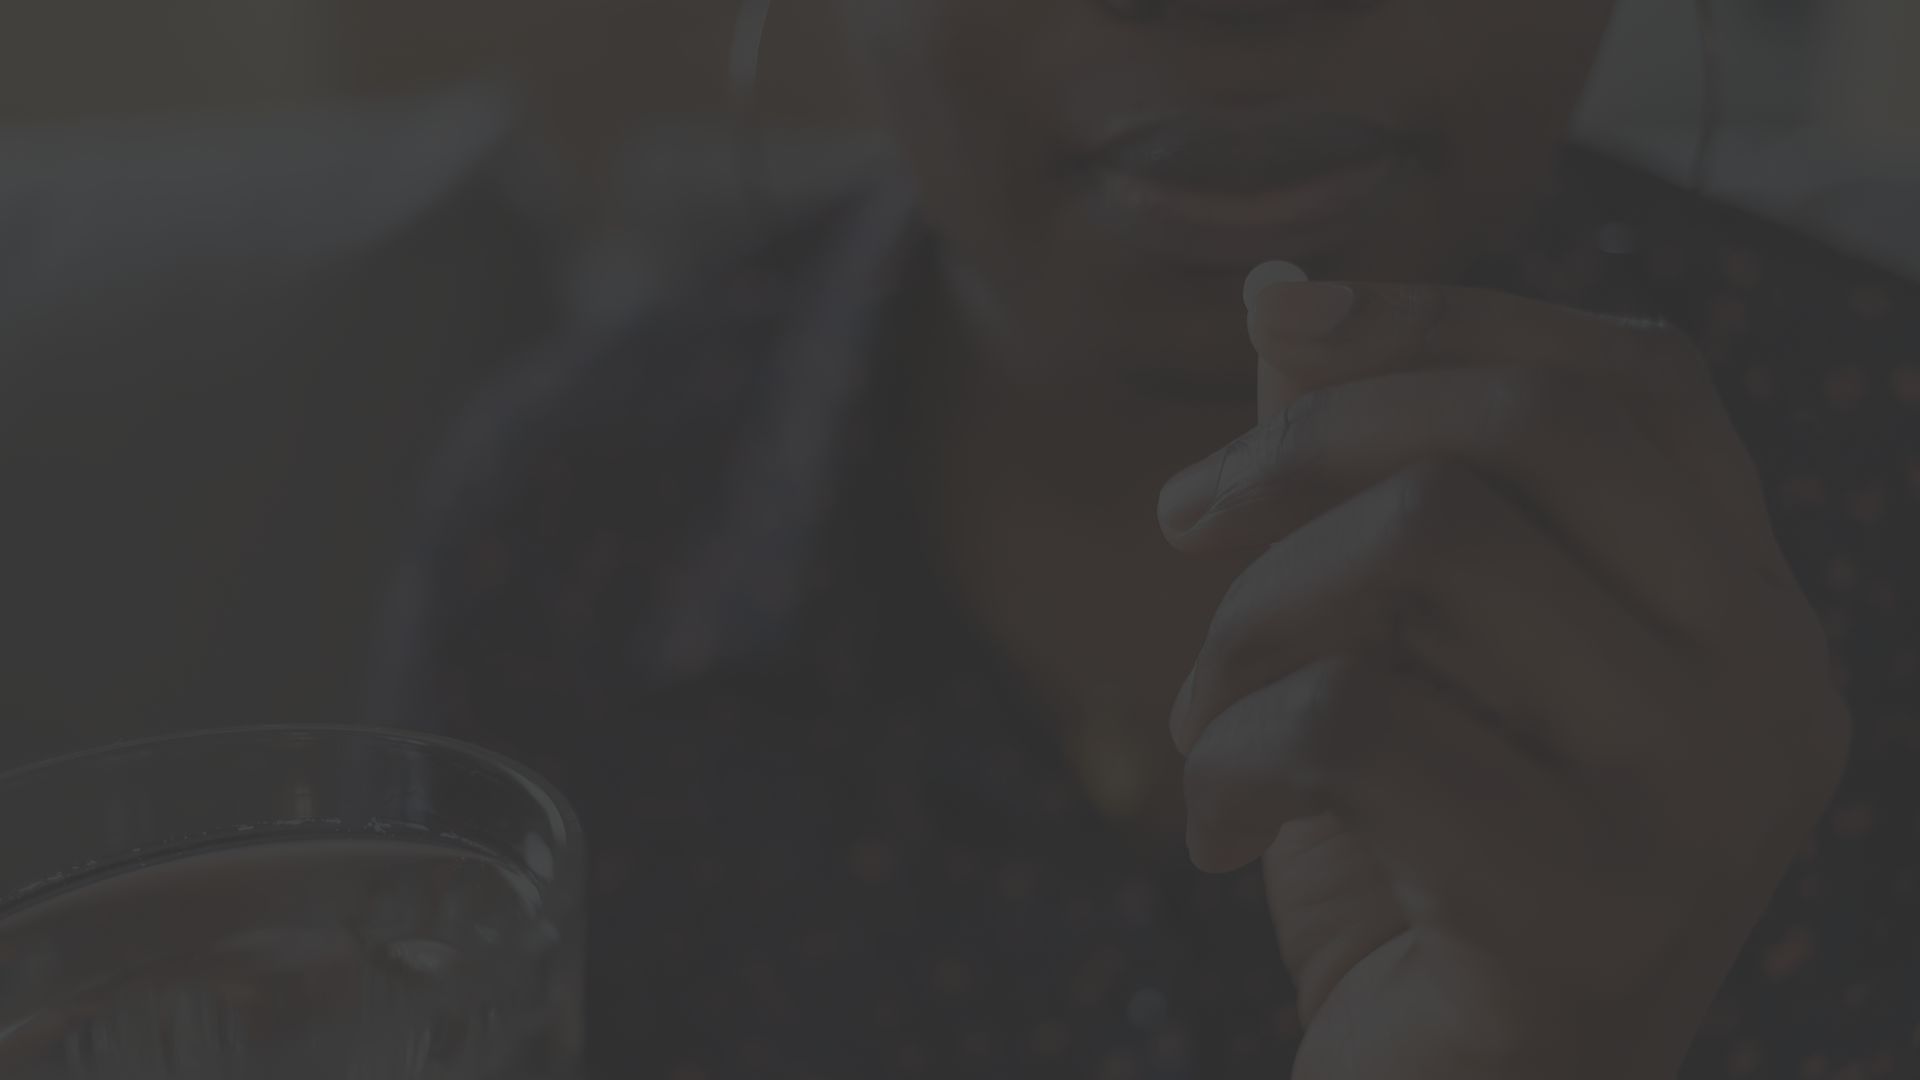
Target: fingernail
column 1267, row 275
column 1305, row 312
column 1189, row 495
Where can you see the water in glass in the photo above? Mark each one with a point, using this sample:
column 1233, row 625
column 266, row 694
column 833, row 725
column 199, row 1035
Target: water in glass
column 308, row 959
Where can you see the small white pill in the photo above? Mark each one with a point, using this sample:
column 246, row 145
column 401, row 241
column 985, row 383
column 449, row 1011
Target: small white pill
column 1271, row 273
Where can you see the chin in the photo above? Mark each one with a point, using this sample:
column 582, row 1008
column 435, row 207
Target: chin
column 1159, row 324
column 1179, row 340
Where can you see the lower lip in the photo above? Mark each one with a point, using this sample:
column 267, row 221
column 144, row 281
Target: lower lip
column 1234, row 230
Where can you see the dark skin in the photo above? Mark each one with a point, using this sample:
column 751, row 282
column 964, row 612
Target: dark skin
column 1477, row 634
column 1089, row 375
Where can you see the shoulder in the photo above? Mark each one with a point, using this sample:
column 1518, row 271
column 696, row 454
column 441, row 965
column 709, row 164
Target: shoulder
column 1756, row 289
column 713, row 280
column 572, row 490
column 1816, row 353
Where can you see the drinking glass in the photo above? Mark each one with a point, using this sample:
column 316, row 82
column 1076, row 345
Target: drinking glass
column 288, row 904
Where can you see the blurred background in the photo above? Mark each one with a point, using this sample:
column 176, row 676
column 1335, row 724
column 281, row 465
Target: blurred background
column 254, row 254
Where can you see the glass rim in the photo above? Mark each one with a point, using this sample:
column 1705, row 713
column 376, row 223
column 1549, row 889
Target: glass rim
column 566, row 885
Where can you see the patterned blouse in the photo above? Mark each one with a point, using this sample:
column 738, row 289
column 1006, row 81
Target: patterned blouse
column 833, row 838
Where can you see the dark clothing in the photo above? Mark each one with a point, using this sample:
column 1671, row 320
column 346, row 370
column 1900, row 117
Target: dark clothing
column 833, row 837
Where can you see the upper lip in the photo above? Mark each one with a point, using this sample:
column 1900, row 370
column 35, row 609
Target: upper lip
column 1241, row 150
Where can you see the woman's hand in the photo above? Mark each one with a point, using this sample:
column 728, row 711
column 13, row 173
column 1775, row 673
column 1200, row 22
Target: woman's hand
column 1519, row 704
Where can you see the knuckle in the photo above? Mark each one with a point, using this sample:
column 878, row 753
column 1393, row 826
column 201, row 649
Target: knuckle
column 1294, row 429
column 1249, row 461
column 1420, row 309
column 1436, row 507
column 1555, row 423
column 1549, row 412
column 1273, row 473
column 1446, row 527
column 1211, row 780
column 1255, row 458
column 1320, row 728
column 1225, row 658
column 1240, row 471
column 1232, row 656
column 1336, row 726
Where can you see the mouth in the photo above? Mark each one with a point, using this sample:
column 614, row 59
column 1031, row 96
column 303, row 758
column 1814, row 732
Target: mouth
column 1226, row 190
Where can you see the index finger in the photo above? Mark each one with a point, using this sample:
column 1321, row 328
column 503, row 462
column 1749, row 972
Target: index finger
column 1314, row 335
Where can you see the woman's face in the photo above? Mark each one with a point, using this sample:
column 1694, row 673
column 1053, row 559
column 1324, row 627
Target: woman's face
column 1103, row 181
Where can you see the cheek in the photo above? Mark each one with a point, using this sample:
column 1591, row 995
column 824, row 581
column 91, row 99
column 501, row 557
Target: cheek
column 1499, row 100
column 1510, row 106
column 954, row 83
column 939, row 75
